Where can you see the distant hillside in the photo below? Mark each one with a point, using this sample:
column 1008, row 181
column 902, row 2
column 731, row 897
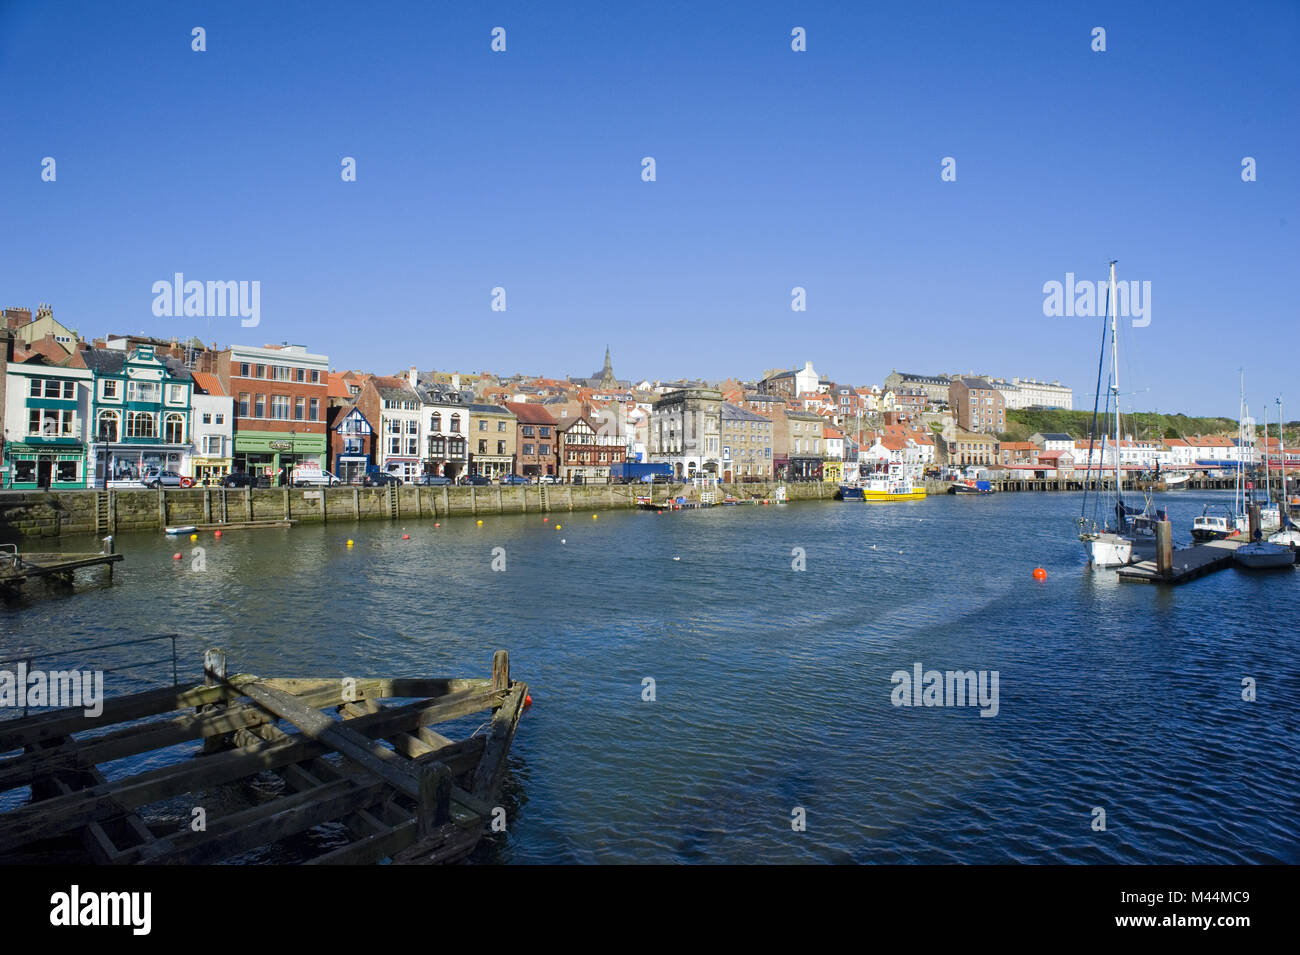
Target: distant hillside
column 1142, row 425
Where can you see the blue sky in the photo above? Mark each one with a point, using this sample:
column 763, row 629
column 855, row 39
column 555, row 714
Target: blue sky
column 775, row 169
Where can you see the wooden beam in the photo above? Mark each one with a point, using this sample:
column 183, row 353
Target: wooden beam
column 314, row 724
column 491, row 768
column 15, row 734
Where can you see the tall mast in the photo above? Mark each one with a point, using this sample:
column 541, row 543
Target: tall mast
column 1268, row 484
column 1114, row 380
column 1238, row 502
column 1281, row 451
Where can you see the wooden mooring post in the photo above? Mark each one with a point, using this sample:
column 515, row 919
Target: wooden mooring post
column 1164, row 548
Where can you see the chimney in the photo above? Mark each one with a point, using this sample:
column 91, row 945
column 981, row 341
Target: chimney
column 412, row 376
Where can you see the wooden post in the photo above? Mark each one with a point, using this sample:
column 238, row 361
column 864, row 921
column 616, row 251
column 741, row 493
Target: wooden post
column 473, row 499
column 501, row 670
column 214, row 673
column 434, row 799
column 286, row 502
column 207, row 505
column 1253, row 511
column 248, row 503
column 356, row 503
column 1164, row 548
column 162, row 507
column 324, row 492
column 446, row 501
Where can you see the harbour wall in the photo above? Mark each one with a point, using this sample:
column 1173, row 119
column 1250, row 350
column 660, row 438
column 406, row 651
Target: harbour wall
column 25, row 514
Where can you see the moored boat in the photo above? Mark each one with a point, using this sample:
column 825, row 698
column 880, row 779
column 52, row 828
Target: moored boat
column 1216, row 527
column 1264, row 555
column 894, row 483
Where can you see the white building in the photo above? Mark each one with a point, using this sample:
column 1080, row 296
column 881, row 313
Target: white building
column 1031, row 393
column 213, row 436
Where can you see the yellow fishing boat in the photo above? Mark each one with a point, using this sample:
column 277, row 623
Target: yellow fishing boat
column 893, row 484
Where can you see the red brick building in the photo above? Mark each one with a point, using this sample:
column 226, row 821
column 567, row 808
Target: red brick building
column 537, row 441
column 281, row 397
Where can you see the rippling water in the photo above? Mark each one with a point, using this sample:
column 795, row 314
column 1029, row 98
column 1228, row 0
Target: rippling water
column 773, row 686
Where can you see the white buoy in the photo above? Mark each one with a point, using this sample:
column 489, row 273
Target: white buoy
column 676, row 558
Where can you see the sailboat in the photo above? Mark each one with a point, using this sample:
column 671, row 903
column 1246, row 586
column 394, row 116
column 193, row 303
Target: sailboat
column 1289, row 535
column 1232, row 522
column 1111, row 543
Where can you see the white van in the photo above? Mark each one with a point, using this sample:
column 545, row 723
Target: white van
column 310, row 475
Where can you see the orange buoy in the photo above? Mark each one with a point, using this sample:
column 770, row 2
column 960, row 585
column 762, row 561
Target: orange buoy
column 528, row 699
column 406, row 537
column 661, row 512
column 176, row 556
column 1040, row 574
column 436, row 524
column 545, row 519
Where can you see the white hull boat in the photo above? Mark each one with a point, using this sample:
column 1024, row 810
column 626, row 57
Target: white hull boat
column 1264, row 555
column 1108, row 550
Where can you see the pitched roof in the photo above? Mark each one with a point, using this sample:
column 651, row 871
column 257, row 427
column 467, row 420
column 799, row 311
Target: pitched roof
column 529, row 412
column 732, row 412
column 209, row 383
column 337, row 385
column 394, row 389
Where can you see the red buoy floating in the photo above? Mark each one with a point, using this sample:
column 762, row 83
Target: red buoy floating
column 176, row 556
column 528, row 699
column 217, row 534
column 1040, row 574
column 406, row 537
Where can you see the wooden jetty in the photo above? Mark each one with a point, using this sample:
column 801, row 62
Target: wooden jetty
column 1187, row 564
column 397, row 789
column 16, row 569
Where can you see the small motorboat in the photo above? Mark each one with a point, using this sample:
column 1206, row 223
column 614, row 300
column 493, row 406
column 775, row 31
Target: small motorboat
column 971, row 487
column 1211, row 527
column 1264, row 555
column 1175, row 481
column 183, row 529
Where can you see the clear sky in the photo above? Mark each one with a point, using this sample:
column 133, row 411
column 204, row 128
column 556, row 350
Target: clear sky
column 775, row 169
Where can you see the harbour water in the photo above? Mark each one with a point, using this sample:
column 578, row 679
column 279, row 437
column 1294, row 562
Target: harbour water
column 772, row 686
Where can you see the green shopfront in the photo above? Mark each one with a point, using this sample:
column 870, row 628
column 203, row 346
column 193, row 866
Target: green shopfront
column 264, row 453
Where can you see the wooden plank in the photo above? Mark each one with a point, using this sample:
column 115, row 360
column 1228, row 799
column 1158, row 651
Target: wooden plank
column 382, row 689
column 124, row 742
column 15, row 734
column 262, row 825
column 491, row 768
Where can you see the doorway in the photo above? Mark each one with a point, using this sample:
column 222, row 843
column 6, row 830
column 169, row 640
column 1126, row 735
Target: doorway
column 44, row 473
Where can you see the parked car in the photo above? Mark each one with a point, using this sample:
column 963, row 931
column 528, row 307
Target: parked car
column 433, row 480
column 514, row 479
column 548, row 479
column 239, row 479
column 381, row 479
column 476, row 479
column 156, row 478
column 308, row 476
